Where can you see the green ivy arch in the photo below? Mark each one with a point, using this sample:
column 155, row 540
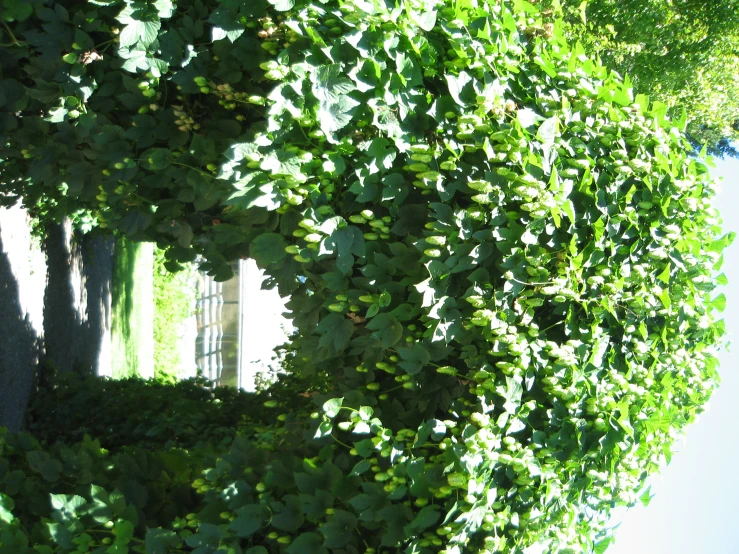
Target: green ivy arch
column 505, row 313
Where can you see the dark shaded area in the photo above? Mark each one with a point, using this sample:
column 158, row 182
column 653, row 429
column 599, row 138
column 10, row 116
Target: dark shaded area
column 19, row 350
column 156, row 415
column 73, row 329
column 97, row 271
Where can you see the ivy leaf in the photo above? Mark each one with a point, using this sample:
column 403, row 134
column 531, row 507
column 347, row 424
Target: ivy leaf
column 437, row 428
column 526, row 117
column 601, row 546
column 330, row 84
column 165, row 8
column 42, row 463
column 289, row 519
column 343, row 239
column 382, row 155
column 457, row 86
column 389, row 329
column 512, row 394
column 664, row 296
column 117, row 502
column 361, row 428
column 248, row 520
column 599, row 350
column 408, row 70
column 17, row 11
column 136, row 59
column 323, row 430
column 336, row 332
column 364, row 447
column 160, row 541
column 136, row 31
column 360, row 467
column 424, row 519
column 268, row 248
column 339, row 529
column 67, row 504
column 515, row 426
column 426, row 20
column 334, row 116
column 719, row 303
column 646, row 496
column 155, row 159
column 282, row 5
column 225, row 25
column 332, row 407
column 547, row 135
column 414, row 359
column 6, row 508
column 61, row 535
column 664, row 276
column 57, row 115
column 283, row 162
column 315, row 505
column 307, row 543
column 207, row 537
column 433, row 428
column 123, row 529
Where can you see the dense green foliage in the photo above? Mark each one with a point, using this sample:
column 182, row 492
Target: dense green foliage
column 174, row 303
column 684, row 53
column 70, row 493
column 158, row 415
column 505, row 310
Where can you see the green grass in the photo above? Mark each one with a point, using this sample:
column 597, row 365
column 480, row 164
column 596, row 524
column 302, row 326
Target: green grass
column 174, row 300
column 132, row 321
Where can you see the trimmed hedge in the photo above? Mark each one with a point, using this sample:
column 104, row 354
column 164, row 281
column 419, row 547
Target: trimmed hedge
column 501, row 265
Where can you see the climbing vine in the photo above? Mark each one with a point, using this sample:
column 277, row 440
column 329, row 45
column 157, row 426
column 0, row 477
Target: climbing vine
column 501, row 267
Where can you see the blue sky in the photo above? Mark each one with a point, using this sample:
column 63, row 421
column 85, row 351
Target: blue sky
column 694, row 510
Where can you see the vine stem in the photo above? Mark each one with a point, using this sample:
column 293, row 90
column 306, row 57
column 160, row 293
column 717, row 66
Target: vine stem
column 533, row 284
column 553, row 325
column 14, row 41
column 191, row 167
column 340, row 442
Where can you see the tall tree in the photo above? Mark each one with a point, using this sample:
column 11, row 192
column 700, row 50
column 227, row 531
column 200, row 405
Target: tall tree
column 684, row 53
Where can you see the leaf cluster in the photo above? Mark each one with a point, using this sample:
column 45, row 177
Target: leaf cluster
column 682, row 53
column 501, row 262
column 186, row 414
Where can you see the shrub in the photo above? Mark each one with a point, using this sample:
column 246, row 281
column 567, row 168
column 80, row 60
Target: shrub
column 500, row 264
column 132, row 411
column 82, row 498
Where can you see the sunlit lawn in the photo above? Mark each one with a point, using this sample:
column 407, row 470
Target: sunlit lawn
column 132, row 322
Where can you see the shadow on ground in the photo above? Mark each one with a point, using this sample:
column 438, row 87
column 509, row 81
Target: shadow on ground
column 19, row 350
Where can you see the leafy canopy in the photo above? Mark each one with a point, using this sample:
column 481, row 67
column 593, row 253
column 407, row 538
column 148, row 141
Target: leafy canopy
column 501, row 264
column 683, row 53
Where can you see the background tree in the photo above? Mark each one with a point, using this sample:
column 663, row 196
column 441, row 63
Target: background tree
column 683, row 53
